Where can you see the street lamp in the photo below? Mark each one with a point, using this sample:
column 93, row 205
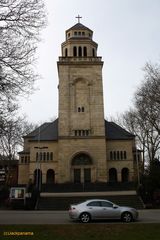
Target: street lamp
column 38, row 169
column 137, row 164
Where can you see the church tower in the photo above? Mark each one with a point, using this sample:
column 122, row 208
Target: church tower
column 79, row 146
column 81, row 125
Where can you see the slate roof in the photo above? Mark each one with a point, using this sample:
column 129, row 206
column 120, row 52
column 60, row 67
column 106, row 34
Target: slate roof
column 115, row 132
column 46, row 132
column 49, row 132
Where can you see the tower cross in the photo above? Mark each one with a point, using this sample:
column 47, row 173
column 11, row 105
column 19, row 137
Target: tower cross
column 78, row 18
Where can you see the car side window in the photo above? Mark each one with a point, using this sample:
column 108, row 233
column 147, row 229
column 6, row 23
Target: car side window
column 106, row 204
column 94, row 204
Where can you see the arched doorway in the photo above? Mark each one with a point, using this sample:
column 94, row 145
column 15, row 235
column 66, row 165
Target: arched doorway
column 81, row 165
column 112, row 175
column 125, row 174
column 50, row 178
column 38, row 178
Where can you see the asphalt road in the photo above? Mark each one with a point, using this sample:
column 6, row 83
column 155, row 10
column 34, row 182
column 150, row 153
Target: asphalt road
column 61, row 217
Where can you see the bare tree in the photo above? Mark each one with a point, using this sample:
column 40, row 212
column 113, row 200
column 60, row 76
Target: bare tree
column 20, row 25
column 11, row 139
column 147, row 97
column 143, row 119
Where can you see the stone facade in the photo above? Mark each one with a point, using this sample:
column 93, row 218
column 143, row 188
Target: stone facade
column 79, row 146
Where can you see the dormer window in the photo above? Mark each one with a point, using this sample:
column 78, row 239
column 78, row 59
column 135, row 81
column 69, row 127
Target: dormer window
column 75, row 33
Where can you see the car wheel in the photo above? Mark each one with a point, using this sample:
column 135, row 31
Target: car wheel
column 85, row 217
column 127, row 217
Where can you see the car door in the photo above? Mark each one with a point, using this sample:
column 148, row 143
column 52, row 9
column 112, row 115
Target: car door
column 110, row 210
column 95, row 209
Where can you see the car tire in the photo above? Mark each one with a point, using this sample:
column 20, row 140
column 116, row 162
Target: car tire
column 127, row 217
column 85, row 217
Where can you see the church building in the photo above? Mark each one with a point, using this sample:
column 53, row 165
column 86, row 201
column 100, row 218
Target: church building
column 80, row 146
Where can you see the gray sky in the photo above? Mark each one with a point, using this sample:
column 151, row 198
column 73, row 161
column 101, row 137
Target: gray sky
column 128, row 35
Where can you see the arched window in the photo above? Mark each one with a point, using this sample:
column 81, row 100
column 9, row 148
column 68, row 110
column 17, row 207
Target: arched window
column 66, row 52
column 112, row 175
column 117, row 155
column 75, row 51
column 82, row 159
column 93, row 52
column 114, row 155
column 50, row 178
column 85, row 52
column 76, row 132
column 121, row 155
column 47, row 156
column 44, row 156
column 125, row 155
column 80, row 52
column 40, row 156
column 82, row 109
column 79, row 109
column 125, row 174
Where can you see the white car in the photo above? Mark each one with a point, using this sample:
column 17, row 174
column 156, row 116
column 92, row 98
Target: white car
column 101, row 209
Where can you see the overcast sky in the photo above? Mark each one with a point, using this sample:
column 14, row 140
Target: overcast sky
column 128, row 35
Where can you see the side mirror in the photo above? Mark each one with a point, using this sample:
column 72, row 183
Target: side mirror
column 115, row 206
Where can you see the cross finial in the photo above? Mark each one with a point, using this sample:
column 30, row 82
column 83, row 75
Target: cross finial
column 78, row 18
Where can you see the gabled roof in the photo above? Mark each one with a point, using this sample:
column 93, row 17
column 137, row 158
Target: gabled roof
column 49, row 132
column 79, row 26
column 115, row 132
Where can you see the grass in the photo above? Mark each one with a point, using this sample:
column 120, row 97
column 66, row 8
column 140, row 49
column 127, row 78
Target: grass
column 82, row 232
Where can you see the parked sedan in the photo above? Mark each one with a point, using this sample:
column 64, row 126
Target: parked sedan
column 101, row 209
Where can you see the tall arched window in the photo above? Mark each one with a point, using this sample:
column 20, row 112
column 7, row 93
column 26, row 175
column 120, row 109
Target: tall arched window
column 47, row 156
column 117, row 155
column 44, row 156
column 66, row 52
column 85, row 52
column 80, row 52
column 93, row 52
column 125, row 174
column 75, row 51
column 50, row 178
column 112, row 175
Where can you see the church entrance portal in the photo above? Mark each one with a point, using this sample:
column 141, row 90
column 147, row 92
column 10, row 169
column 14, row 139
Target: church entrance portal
column 81, row 166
